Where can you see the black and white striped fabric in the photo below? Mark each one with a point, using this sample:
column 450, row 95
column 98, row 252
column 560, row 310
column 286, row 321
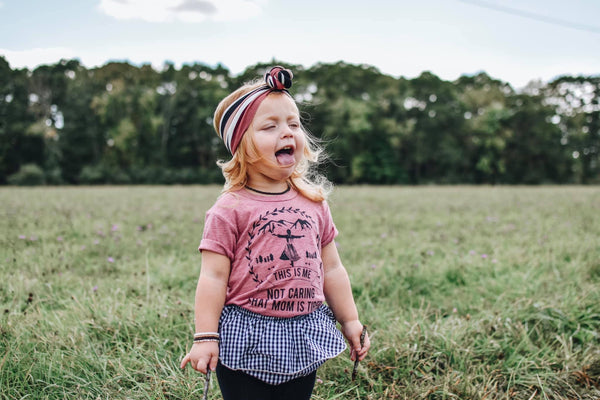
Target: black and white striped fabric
column 276, row 350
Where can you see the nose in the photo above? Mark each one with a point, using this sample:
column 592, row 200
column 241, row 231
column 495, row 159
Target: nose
column 286, row 132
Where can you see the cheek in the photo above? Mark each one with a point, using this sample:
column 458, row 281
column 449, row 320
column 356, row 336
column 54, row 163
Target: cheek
column 299, row 154
column 266, row 152
column 301, row 143
column 263, row 144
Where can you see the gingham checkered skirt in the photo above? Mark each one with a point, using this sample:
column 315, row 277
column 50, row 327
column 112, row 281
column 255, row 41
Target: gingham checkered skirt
column 276, row 350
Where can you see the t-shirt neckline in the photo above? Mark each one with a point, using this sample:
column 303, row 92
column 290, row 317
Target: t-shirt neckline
column 292, row 193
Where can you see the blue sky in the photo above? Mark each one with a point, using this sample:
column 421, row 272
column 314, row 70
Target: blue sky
column 515, row 41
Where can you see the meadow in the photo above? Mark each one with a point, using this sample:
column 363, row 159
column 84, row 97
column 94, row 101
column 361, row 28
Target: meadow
column 469, row 292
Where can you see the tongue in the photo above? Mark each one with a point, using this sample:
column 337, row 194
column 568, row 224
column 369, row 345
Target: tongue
column 284, row 158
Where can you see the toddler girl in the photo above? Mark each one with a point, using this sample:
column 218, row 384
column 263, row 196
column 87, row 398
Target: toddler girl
column 269, row 260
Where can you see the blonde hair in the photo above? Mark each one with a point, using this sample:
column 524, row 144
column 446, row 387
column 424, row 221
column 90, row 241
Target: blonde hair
column 305, row 178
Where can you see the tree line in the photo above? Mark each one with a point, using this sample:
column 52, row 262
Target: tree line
column 121, row 124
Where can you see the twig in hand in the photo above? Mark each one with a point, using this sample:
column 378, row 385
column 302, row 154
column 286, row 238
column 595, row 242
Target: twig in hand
column 362, row 343
column 206, row 384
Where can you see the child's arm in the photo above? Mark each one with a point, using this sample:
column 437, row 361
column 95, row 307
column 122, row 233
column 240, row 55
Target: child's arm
column 338, row 294
column 210, row 298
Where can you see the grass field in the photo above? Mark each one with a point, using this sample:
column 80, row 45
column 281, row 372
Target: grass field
column 469, row 292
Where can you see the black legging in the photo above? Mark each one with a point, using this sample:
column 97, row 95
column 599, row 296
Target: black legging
column 237, row 385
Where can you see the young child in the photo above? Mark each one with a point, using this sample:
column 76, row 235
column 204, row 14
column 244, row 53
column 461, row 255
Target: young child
column 269, row 260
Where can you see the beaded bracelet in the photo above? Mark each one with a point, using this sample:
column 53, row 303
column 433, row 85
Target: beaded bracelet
column 197, row 334
column 207, row 337
column 206, row 340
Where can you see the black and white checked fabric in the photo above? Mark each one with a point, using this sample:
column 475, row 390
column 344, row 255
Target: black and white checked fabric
column 276, row 350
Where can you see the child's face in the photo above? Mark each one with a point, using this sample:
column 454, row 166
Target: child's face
column 278, row 137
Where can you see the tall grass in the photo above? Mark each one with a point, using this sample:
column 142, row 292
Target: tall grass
column 469, row 292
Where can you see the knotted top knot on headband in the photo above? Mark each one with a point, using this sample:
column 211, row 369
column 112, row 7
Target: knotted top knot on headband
column 279, row 78
column 239, row 115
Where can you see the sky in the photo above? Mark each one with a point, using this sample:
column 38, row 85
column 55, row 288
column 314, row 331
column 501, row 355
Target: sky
column 516, row 41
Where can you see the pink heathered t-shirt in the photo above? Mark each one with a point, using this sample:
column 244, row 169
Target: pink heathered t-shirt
column 274, row 244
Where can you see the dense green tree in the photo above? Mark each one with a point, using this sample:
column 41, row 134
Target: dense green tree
column 190, row 138
column 15, row 119
column 343, row 105
column 485, row 131
column 533, row 151
column 79, row 142
column 576, row 102
column 435, row 142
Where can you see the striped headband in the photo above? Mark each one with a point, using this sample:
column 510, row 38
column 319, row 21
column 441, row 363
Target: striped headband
column 239, row 115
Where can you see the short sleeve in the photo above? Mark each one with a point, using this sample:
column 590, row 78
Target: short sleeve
column 219, row 235
column 329, row 231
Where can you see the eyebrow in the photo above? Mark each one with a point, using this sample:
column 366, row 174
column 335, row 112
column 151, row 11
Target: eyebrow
column 275, row 118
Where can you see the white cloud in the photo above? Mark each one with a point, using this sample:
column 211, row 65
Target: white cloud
column 182, row 10
column 31, row 58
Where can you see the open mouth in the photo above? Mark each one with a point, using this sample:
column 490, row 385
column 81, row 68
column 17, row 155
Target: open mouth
column 285, row 156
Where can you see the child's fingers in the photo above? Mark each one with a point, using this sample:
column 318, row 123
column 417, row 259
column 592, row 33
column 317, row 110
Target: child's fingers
column 356, row 350
column 200, row 365
column 185, row 360
column 354, row 347
column 213, row 363
column 203, row 365
column 362, row 353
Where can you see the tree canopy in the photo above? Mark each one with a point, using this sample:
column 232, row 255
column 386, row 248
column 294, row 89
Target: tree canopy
column 120, row 123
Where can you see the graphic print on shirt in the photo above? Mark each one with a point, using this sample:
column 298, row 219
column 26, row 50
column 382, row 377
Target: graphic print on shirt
column 283, row 251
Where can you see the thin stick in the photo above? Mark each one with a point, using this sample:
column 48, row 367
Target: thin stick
column 362, row 343
column 206, row 384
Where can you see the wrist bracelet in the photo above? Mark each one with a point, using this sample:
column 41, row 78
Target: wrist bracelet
column 206, row 334
column 206, row 337
column 201, row 340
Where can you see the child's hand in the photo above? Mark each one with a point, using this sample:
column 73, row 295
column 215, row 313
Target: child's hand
column 352, row 331
column 201, row 356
